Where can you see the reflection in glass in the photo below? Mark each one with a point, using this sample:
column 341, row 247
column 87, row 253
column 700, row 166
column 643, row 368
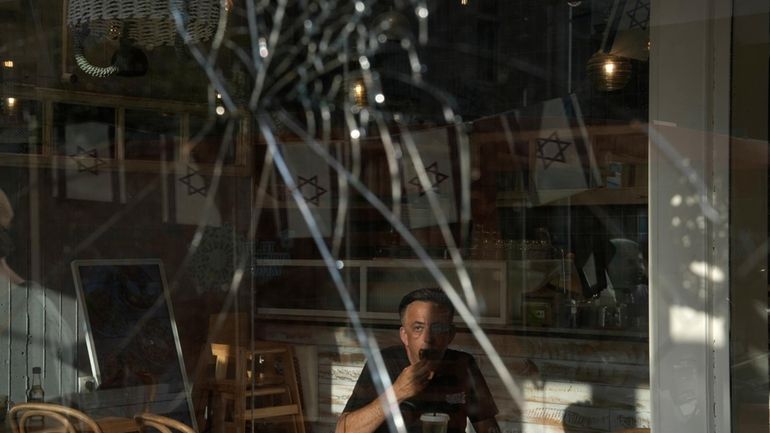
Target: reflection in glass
column 380, row 147
column 21, row 126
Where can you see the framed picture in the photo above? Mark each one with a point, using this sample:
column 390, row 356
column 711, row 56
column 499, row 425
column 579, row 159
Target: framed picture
column 132, row 339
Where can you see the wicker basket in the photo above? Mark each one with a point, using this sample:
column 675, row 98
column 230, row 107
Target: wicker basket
column 147, row 23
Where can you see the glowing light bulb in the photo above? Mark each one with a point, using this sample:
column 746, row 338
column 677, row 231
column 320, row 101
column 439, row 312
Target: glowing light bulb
column 8, row 63
column 608, row 72
column 359, row 90
column 11, row 102
column 359, row 93
column 220, row 110
column 263, row 51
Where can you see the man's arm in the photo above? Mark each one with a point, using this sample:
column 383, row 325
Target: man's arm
column 367, row 419
column 486, row 426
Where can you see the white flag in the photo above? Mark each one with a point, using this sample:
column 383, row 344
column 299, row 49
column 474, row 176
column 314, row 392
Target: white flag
column 191, row 187
column 436, row 155
column 312, row 179
column 627, row 33
column 564, row 160
column 87, row 146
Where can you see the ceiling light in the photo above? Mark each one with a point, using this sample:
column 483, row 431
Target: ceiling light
column 608, row 72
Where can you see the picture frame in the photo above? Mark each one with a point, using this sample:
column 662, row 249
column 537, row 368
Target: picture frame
column 132, row 339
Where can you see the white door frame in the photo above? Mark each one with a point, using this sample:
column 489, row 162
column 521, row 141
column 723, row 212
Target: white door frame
column 689, row 215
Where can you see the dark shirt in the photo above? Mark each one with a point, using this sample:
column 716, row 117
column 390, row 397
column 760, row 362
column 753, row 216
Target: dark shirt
column 457, row 389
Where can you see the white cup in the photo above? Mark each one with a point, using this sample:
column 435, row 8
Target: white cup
column 434, row 422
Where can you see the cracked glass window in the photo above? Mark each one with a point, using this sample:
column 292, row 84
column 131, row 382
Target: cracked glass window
column 367, row 216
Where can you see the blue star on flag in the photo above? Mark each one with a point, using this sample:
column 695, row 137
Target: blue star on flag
column 88, row 160
column 193, row 187
column 316, row 190
column 555, row 148
column 438, row 178
column 639, row 15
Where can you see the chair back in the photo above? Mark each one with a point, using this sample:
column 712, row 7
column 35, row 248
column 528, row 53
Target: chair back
column 26, row 417
column 147, row 421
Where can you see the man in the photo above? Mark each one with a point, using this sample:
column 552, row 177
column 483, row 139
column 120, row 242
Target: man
column 425, row 375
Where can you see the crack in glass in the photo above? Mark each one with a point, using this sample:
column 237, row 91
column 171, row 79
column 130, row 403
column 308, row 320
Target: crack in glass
column 304, row 68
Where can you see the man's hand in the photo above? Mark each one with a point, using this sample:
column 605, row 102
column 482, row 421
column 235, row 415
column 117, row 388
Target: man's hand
column 409, row 383
column 413, row 379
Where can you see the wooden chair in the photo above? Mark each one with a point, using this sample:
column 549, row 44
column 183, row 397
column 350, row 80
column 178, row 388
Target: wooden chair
column 147, row 421
column 32, row 417
column 245, row 393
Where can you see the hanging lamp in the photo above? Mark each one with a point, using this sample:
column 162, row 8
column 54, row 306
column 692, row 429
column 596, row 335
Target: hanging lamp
column 139, row 26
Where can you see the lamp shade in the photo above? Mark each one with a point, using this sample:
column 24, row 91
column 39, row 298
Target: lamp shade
column 146, row 23
column 140, row 25
column 608, row 72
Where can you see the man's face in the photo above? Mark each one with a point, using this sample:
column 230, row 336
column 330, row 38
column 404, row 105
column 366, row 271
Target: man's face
column 426, row 327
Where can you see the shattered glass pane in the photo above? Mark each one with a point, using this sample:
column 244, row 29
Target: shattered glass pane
column 358, row 215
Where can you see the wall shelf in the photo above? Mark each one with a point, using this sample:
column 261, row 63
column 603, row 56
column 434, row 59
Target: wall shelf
column 376, row 285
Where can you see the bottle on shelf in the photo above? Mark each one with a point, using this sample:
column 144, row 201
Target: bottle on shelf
column 36, row 393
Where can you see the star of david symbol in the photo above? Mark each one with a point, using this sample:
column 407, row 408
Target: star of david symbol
column 316, row 189
column 88, row 160
column 191, row 187
column 639, row 21
column 551, row 157
column 438, row 177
